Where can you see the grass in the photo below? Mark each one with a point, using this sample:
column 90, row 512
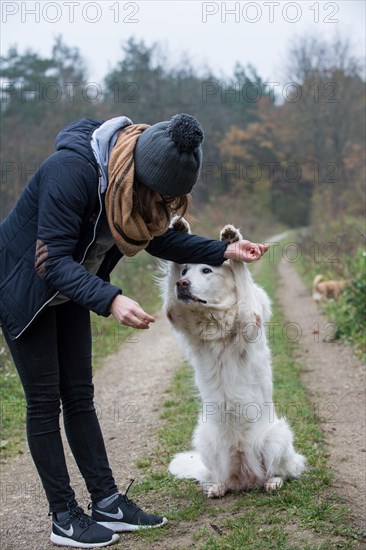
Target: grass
column 131, row 276
column 337, row 252
column 304, row 514
column 12, row 406
column 135, row 277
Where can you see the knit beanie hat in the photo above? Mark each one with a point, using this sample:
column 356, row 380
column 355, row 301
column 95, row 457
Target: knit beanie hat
column 168, row 155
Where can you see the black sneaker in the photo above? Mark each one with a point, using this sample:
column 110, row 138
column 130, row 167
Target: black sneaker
column 124, row 515
column 80, row 531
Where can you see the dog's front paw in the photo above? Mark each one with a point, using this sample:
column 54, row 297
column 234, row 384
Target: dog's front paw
column 230, row 233
column 180, row 224
column 215, row 490
column 273, row 483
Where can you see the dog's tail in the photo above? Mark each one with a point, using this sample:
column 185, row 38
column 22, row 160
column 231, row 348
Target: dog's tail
column 189, row 465
column 316, row 294
column 317, row 279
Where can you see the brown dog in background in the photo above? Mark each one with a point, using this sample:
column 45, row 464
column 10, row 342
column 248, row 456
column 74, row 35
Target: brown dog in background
column 326, row 290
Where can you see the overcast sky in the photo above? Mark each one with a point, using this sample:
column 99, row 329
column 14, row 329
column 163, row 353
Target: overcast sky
column 216, row 34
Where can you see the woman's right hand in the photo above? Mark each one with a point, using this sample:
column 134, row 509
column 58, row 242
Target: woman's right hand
column 128, row 312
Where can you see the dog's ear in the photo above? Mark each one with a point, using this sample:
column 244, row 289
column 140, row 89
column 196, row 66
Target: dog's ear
column 254, row 306
column 241, row 277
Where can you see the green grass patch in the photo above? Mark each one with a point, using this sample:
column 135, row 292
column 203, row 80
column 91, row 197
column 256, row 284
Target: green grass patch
column 12, row 405
column 135, row 277
column 304, row 514
column 337, row 252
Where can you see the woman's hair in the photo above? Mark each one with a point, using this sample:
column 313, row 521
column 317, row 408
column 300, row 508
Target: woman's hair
column 144, row 202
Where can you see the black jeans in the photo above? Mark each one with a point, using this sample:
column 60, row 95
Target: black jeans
column 53, row 359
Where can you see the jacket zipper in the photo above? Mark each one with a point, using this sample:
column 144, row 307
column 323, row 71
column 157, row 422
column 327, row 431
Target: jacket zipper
column 97, row 220
column 81, row 262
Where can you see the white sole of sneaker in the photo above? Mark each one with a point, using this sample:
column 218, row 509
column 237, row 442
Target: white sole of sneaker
column 64, row 541
column 120, row 526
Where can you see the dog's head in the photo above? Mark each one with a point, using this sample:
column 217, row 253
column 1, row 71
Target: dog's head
column 204, row 285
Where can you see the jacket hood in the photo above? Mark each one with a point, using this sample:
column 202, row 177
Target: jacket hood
column 76, row 137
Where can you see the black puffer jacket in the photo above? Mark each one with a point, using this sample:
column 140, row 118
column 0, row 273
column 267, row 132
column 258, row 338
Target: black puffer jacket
column 46, row 237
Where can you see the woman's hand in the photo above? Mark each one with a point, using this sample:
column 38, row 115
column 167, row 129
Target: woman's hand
column 245, row 251
column 128, row 312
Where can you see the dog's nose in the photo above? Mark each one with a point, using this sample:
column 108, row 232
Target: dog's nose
column 183, row 282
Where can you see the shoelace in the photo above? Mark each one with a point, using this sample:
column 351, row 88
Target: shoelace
column 76, row 512
column 128, row 500
column 125, row 498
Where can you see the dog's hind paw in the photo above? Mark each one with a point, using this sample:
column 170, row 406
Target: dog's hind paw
column 230, row 233
column 273, row 483
column 296, row 466
column 180, row 224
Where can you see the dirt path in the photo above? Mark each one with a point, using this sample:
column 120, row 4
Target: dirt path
column 129, row 388
column 336, row 386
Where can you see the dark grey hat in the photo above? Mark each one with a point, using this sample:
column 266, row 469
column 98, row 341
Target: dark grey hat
column 168, row 155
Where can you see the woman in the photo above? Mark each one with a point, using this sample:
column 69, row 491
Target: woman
column 109, row 190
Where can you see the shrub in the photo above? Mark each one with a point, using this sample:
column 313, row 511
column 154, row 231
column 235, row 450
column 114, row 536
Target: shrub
column 349, row 312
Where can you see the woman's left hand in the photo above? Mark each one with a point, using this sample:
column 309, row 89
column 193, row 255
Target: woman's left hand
column 245, row 251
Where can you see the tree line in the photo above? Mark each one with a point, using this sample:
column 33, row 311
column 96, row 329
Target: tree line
column 294, row 149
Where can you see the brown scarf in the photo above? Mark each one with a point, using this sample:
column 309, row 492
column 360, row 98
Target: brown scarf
column 129, row 230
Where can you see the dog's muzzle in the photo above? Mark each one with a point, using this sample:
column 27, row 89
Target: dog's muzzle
column 184, row 292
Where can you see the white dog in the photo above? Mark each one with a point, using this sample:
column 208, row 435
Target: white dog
column 218, row 314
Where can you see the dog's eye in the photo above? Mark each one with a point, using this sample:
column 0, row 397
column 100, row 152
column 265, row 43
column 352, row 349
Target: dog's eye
column 206, row 270
column 184, row 271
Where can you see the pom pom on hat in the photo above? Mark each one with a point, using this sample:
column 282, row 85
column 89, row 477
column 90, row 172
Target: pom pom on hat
column 186, row 132
column 168, row 155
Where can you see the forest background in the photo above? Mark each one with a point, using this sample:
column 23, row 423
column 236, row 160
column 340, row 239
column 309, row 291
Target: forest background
column 275, row 156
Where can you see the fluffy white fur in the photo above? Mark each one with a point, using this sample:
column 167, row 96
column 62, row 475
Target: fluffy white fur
column 218, row 314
